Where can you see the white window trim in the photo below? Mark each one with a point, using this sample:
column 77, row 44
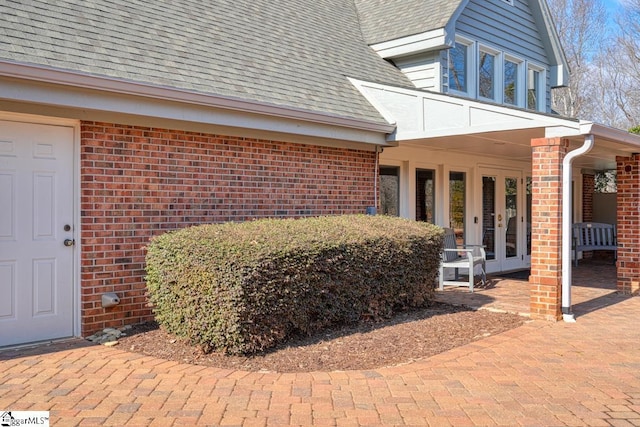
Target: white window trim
column 498, row 90
column 542, row 85
column 474, row 48
column 521, row 80
column 471, row 68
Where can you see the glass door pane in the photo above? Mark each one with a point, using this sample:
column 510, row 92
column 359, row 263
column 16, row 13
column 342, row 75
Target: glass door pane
column 389, row 190
column 511, row 214
column 488, row 215
column 503, row 220
column 425, row 195
column 457, row 204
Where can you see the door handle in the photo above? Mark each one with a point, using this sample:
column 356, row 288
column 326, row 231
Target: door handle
column 69, row 242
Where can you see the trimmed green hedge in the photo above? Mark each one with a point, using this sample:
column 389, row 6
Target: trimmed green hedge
column 245, row 287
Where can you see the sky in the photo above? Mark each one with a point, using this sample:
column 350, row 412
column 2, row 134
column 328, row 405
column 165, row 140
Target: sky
column 613, row 7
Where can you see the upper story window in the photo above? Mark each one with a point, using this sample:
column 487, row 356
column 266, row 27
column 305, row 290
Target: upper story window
column 535, row 95
column 459, row 67
column 488, row 62
column 511, row 81
column 480, row 71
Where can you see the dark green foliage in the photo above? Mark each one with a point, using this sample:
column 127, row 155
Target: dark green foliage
column 245, row 287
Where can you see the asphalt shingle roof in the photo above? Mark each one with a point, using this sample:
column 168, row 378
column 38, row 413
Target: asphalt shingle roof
column 292, row 53
column 385, row 20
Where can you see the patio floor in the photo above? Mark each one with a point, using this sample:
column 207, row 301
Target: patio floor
column 593, row 280
column 540, row 374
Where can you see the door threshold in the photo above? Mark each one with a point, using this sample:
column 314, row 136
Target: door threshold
column 42, row 343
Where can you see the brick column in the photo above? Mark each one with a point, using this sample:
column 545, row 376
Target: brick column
column 588, row 187
column 546, row 228
column 628, row 180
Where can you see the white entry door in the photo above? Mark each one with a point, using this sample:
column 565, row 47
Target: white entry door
column 503, row 220
column 36, row 232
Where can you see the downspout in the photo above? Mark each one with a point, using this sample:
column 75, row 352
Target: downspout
column 567, row 235
column 373, row 210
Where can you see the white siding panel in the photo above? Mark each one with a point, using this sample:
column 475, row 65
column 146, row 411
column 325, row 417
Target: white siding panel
column 402, row 108
column 483, row 117
column 423, row 70
column 443, row 114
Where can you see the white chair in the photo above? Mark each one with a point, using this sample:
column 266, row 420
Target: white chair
column 461, row 257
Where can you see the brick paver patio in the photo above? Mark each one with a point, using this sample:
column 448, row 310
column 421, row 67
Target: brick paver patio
column 593, row 281
column 541, row 374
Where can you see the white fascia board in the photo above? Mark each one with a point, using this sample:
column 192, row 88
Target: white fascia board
column 474, row 130
column 423, row 42
column 613, row 134
column 86, row 104
column 106, row 84
column 562, row 131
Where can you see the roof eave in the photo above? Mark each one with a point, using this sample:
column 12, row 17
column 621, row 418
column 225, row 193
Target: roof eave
column 613, row 134
column 560, row 67
column 439, row 38
column 113, row 85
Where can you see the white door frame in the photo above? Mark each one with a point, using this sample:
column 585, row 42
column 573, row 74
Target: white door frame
column 77, row 231
column 501, row 262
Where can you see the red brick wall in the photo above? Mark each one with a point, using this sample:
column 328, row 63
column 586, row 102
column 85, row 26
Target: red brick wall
column 546, row 228
column 140, row 182
column 588, row 188
column 628, row 228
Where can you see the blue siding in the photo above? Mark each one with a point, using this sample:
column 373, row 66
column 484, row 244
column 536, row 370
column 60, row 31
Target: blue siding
column 509, row 28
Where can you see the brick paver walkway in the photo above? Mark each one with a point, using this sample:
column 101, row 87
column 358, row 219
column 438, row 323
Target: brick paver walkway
column 541, row 374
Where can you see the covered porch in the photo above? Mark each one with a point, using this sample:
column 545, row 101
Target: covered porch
column 543, row 167
column 594, row 286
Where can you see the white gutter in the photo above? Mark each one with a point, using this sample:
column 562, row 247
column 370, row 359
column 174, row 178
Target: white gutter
column 114, row 85
column 567, row 234
column 607, row 132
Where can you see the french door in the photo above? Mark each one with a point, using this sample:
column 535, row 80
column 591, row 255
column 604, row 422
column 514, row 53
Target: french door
column 503, row 219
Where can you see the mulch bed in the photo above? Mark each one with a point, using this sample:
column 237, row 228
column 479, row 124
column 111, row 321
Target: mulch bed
column 405, row 338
